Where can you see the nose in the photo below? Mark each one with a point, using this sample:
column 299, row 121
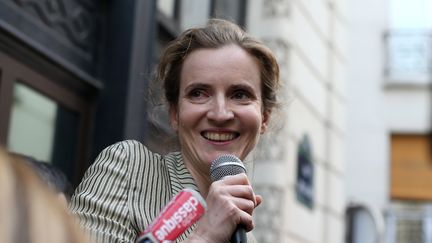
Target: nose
column 220, row 110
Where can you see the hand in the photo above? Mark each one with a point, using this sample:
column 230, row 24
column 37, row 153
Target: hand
column 230, row 202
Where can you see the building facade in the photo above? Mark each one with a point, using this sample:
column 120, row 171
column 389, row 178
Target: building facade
column 389, row 120
column 66, row 68
column 301, row 166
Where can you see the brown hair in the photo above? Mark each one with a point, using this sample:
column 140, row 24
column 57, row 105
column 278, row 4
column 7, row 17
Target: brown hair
column 30, row 212
column 215, row 34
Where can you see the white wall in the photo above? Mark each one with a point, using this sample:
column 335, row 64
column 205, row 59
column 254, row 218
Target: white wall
column 367, row 159
column 408, row 110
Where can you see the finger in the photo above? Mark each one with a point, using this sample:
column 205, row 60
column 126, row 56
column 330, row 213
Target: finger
column 245, row 192
column 244, row 205
column 239, row 179
column 258, row 199
column 241, row 191
column 240, row 217
column 246, row 220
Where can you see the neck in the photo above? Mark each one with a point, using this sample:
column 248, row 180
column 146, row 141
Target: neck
column 201, row 179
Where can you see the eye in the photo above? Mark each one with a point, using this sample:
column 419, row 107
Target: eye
column 197, row 94
column 242, row 95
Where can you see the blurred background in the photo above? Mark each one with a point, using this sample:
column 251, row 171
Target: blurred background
column 349, row 156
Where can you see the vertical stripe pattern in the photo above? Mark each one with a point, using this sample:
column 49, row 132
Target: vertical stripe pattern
column 125, row 189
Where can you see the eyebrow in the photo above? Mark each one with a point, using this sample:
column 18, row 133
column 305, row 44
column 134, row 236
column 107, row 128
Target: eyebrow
column 243, row 86
column 197, row 85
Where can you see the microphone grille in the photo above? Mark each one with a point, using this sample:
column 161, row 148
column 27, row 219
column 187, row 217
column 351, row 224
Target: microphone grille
column 225, row 165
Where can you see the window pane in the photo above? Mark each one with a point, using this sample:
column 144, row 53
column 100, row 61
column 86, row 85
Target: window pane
column 409, row 57
column 32, row 123
column 408, row 44
column 41, row 128
column 166, row 7
column 194, row 13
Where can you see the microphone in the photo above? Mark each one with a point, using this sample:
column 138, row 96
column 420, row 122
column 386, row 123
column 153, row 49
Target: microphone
column 176, row 217
column 222, row 166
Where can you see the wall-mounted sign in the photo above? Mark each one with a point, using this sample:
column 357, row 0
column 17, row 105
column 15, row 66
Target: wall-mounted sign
column 305, row 173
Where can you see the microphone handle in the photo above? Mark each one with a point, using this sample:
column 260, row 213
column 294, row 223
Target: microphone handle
column 239, row 235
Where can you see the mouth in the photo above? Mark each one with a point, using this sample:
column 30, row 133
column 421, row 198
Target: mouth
column 220, row 136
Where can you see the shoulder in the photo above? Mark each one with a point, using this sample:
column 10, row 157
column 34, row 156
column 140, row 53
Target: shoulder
column 122, row 159
column 141, row 163
column 126, row 147
column 128, row 151
column 137, row 149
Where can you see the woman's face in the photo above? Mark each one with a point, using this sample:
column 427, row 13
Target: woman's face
column 219, row 109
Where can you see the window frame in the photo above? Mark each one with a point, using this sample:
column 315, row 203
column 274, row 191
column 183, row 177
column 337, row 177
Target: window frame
column 11, row 71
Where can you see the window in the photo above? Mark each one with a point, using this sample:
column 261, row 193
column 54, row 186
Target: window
column 409, row 56
column 409, row 223
column 42, row 119
column 168, row 8
column 409, row 53
column 411, row 167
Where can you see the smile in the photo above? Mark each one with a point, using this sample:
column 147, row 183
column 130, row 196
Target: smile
column 220, row 137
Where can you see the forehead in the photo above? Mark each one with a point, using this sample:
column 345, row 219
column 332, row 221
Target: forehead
column 227, row 63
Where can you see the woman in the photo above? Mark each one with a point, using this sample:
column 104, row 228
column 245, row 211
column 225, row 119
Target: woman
column 220, row 85
column 30, row 212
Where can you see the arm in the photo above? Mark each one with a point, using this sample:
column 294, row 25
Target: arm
column 100, row 201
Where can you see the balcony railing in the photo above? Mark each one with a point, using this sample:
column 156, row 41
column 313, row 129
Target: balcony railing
column 408, row 57
column 409, row 225
column 403, row 222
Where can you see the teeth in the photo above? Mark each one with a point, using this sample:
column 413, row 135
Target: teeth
column 219, row 136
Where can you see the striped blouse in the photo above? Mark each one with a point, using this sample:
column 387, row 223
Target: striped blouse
column 124, row 190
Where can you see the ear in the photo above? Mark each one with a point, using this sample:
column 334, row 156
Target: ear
column 173, row 114
column 265, row 121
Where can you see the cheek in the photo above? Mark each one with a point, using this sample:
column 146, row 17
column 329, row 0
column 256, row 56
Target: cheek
column 188, row 116
column 252, row 121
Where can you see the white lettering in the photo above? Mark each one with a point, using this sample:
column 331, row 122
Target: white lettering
column 184, row 214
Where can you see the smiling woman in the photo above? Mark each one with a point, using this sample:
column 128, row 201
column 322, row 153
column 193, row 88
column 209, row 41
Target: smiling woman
column 220, row 85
